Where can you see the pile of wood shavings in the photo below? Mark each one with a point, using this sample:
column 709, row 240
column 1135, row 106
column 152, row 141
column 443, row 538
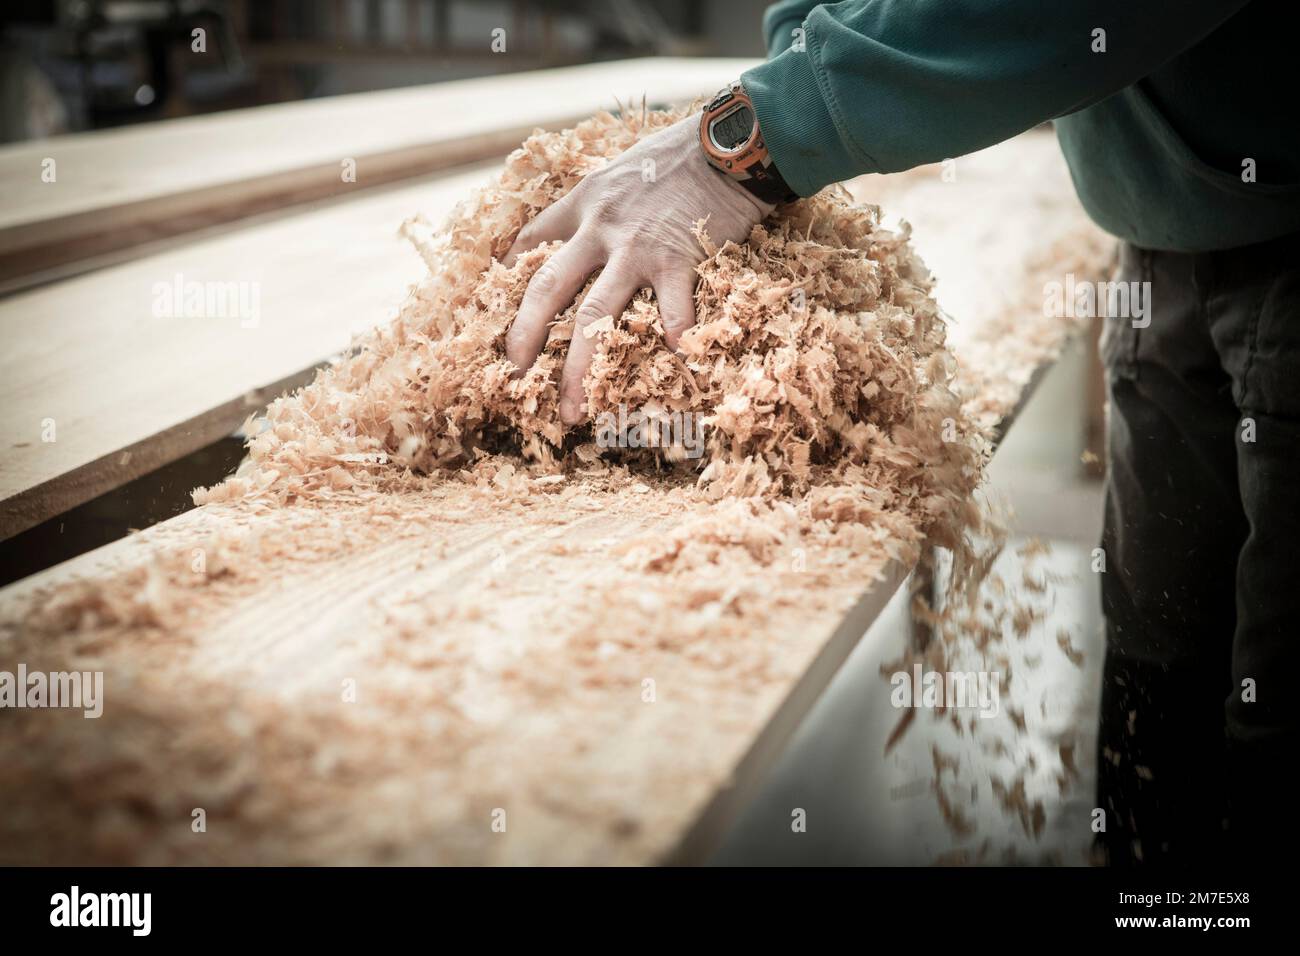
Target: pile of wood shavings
column 818, row 365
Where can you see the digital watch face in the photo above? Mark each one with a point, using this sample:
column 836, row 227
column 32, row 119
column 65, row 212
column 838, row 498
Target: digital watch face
column 731, row 131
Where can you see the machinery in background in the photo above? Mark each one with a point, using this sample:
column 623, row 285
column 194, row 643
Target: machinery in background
column 70, row 65
column 86, row 64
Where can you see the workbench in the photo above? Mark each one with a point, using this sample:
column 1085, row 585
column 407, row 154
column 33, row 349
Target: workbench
column 499, row 683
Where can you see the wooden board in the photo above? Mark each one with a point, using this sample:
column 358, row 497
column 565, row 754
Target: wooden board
column 128, row 391
column 499, row 651
column 117, row 189
column 531, row 701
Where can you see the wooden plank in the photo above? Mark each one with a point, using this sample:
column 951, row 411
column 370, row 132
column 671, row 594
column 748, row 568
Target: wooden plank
column 500, row 650
column 586, row 769
column 117, row 189
column 127, row 391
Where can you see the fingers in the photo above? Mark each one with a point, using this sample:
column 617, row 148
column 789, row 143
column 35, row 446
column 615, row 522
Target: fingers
column 553, row 222
column 610, row 294
column 549, row 292
column 675, row 294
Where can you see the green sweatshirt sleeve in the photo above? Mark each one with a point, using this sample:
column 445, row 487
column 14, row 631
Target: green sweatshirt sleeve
column 780, row 22
column 885, row 85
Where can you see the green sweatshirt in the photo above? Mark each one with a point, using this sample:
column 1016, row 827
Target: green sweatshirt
column 1172, row 120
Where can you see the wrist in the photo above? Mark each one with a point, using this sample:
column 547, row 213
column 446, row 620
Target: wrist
column 734, row 146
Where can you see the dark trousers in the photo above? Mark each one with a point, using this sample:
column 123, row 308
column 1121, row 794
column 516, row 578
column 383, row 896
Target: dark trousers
column 1201, row 591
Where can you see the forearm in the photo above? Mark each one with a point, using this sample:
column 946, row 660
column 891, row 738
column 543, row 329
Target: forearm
column 885, row 85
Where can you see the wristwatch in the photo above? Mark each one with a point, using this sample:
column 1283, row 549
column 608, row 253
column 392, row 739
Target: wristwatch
column 734, row 145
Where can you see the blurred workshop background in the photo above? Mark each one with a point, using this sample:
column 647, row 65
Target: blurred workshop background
column 71, row 65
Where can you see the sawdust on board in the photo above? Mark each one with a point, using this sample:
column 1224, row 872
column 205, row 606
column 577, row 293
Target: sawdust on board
column 837, row 422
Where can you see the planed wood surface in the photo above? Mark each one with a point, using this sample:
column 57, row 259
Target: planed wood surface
column 128, row 391
column 117, row 189
column 512, row 679
column 500, row 646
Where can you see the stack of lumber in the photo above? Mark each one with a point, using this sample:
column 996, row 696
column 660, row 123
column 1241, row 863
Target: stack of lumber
column 74, row 201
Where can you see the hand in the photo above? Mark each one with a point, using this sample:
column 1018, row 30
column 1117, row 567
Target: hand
column 635, row 217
